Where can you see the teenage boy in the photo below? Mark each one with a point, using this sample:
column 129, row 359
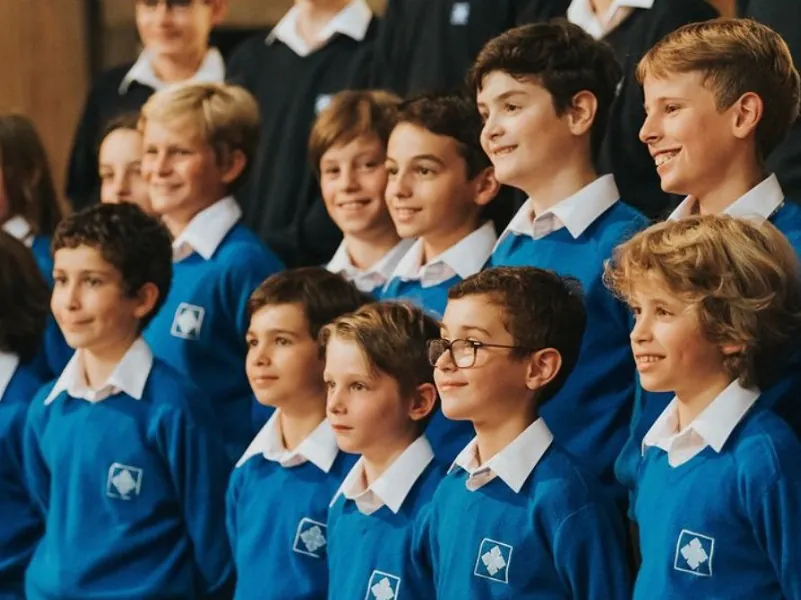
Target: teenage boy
column 279, row 493
column 120, row 454
column 717, row 306
column 316, row 50
column 347, row 150
column 199, row 139
column 516, row 517
column 380, row 396
column 175, row 36
column 544, row 92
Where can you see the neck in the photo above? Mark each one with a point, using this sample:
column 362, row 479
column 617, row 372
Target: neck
column 99, row 363
column 298, row 421
column 378, row 460
column 493, row 435
column 434, row 245
column 692, row 402
column 364, row 252
column 171, row 69
column 600, row 7
column 738, row 180
column 314, row 15
column 546, row 192
column 177, row 221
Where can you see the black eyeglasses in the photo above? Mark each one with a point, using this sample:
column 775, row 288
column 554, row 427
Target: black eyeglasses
column 170, row 4
column 463, row 352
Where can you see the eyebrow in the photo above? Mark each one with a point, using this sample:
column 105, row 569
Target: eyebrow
column 505, row 95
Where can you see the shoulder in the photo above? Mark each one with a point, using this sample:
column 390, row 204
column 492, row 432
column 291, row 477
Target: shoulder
column 242, row 248
column 108, row 82
column 788, row 221
column 246, row 57
column 170, row 393
column 617, row 225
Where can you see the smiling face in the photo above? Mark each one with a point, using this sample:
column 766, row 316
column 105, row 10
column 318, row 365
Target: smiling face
column 353, row 179
column 691, row 141
column 120, row 169
column 522, row 134
column 283, row 364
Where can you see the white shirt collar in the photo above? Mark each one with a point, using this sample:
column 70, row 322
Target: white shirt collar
column 464, row 258
column 212, row 70
column 130, row 376
column 513, row 464
column 394, row 484
column 711, row 428
column 581, row 13
column 375, row 276
column 576, row 213
column 758, row 203
column 352, row 21
column 207, row 229
column 319, row 447
column 8, row 366
column 20, row 229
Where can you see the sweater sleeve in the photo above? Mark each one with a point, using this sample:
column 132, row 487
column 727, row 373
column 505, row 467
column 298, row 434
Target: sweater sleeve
column 37, row 475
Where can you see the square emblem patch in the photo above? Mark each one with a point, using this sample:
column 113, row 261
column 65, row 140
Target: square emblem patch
column 694, row 553
column 188, row 321
column 123, row 482
column 382, row 586
column 493, row 560
column 311, row 538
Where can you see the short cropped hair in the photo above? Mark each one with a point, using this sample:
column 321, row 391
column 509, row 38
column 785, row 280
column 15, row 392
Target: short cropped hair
column 323, row 295
column 24, row 299
column 394, row 339
column 735, row 56
column 352, row 114
column 563, row 59
column 742, row 277
column 27, row 177
column 137, row 245
column 540, row 310
column 226, row 117
column 453, row 115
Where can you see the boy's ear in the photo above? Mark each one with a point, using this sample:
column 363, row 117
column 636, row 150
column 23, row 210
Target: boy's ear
column 487, row 186
column 581, row 112
column 146, row 299
column 423, row 401
column 218, row 10
column 732, row 349
column 543, row 367
column 747, row 113
column 237, row 161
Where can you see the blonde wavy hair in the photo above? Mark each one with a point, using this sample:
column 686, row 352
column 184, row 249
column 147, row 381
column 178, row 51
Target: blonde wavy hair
column 743, row 278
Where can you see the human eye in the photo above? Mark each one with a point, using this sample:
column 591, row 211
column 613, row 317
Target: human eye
column 151, row 150
column 423, row 170
column 661, row 311
column 281, row 340
column 392, row 170
column 93, row 281
column 511, row 107
column 331, row 171
column 358, row 386
column 59, row 279
column 251, row 342
column 671, row 108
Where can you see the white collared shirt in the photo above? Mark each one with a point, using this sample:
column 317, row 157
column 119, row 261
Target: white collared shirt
column 711, row 428
column 581, row 13
column 319, row 447
column 211, row 70
column 392, row 487
column 757, row 204
column 352, row 21
column 576, row 213
column 207, row 229
column 513, row 464
column 19, row 228
column 464, row 258
column 130, row 376
column 375, row 276
column 8, row 366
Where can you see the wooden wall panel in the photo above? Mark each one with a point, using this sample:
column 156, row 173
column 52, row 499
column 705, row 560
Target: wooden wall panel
column 44, row 63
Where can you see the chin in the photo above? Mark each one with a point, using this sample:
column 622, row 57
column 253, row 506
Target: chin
column 454, row 411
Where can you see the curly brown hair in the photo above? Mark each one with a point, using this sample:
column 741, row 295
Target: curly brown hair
column 24, row 299
column 743, row 277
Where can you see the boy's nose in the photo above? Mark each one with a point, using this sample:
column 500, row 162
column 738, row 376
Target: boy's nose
column 648, row 132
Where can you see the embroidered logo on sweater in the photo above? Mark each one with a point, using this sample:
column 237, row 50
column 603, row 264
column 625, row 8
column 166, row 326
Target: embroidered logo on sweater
column 382, row 586
column 694, row 552
column 310, row 538
column 124, row 482
column 460, row 13
column 493, row 560
column 187, row 321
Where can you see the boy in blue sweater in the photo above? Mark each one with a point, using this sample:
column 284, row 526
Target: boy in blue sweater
column 26, row 301
column 440, row 183
column 279, row 493
column 380, row 396
column 347, row 150
column 199, row 140
column 120, row 454
column 516, row 517
column 709, row 138
column 717, row 304
column 544, row 92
